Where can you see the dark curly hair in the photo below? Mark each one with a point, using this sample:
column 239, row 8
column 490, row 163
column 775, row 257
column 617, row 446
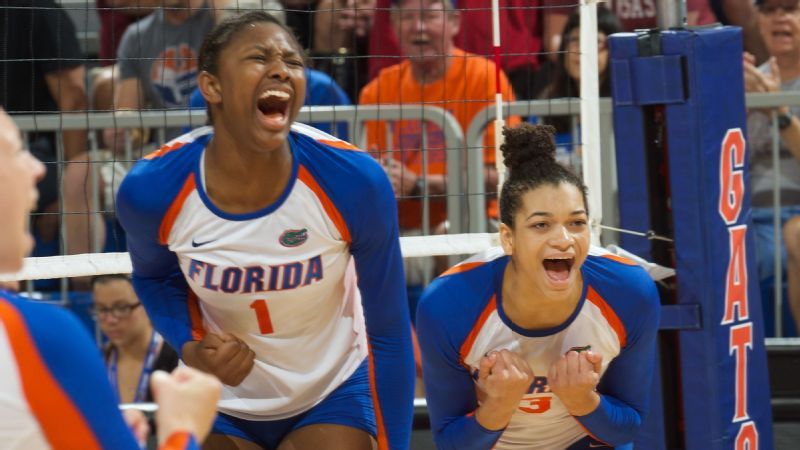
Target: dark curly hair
column 529, row 153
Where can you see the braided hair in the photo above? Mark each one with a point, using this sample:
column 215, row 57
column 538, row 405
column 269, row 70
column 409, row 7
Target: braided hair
column 223, row 33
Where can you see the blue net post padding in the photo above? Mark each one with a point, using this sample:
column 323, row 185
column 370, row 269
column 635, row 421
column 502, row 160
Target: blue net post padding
column 680, row 130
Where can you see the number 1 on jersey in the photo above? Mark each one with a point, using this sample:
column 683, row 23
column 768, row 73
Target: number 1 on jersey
column 262, row 315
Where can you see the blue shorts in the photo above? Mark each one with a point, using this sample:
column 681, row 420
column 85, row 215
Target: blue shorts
column 350, row 405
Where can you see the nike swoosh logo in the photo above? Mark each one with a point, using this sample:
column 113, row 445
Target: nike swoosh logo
column 200, row 244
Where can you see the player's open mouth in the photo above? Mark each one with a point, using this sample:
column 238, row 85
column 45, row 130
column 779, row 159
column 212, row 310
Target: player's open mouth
column 782, row 33
column 274, row 107
column 558, row 269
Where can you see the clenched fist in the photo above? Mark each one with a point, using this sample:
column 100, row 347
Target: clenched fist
column 573, row 379
column 503, row 378
column 223, row 355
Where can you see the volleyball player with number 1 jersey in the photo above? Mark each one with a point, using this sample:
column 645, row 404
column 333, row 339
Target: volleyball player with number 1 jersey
column 267, row 252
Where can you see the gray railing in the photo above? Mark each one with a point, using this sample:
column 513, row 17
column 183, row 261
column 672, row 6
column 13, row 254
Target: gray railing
column 354, row 116
column 458, row 181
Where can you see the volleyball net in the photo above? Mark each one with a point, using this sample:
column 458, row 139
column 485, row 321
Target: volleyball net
column 363, row 37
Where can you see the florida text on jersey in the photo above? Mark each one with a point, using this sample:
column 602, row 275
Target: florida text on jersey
column 290, row 280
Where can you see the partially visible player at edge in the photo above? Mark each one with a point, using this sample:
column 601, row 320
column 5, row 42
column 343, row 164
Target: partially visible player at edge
column 544, row 343
column 54, row 392
column 255, row 245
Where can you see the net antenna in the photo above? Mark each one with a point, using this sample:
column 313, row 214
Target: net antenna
column 591, row 161
column 498, row 98
column 590, row 110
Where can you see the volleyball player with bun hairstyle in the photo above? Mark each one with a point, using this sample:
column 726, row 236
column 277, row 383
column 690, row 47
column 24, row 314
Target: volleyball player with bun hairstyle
column 267, row 253
column 54, row 392
column 545, row 343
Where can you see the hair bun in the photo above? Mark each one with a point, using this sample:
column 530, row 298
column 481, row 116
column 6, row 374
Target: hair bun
column 526, row 144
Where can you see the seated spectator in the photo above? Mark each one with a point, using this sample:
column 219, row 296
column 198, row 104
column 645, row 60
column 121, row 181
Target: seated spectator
column 157, row 60
column 115, row 16
column 526, row 30
column 134, row 350
column 342, row 30
column 43, row 72
column 321, row 90
column 157, row 68
column 460, row 82
column 779, row 24
column 566, row 77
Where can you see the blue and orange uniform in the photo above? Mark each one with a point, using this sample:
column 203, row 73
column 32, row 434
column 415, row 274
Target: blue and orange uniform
column 461, row 318
column 54, row 392
column 312, row 283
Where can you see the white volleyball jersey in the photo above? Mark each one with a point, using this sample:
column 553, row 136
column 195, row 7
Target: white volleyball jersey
column 461, row 319
column 289, row 280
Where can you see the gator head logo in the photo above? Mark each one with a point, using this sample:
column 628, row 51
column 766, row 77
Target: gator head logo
column 293, row 238
column 579, row 349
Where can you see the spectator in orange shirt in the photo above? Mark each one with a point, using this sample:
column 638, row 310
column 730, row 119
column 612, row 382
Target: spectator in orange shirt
column 435, row 73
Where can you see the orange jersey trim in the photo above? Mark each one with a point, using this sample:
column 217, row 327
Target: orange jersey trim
column 609, row 314
column 619, row 259
column 174, row 209
column 60, row 420
column 195, row 316
column 463, row 267
column 473, row 334
column 164, row 150
column 342, row 145
column 333, row 212
column 383, row 442
column 178, row 440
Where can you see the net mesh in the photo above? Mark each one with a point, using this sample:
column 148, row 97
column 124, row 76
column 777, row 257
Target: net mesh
column 96, row 48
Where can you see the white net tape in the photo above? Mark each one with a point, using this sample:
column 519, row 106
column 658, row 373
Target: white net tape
column 152, row 407
column 91, row 264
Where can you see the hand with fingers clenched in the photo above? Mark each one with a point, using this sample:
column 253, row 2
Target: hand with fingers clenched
column 573, row 379
column 503, row 378
column 223, row 355
column 187, row 401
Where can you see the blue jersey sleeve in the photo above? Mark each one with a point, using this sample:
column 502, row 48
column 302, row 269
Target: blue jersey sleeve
column 156, row 277
column 624, row 404
column 449, row 387
column 357, row 185
column 376, row 250
column 74, row 361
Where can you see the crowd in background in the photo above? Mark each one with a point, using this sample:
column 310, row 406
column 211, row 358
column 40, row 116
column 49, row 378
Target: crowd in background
column 361, row 52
